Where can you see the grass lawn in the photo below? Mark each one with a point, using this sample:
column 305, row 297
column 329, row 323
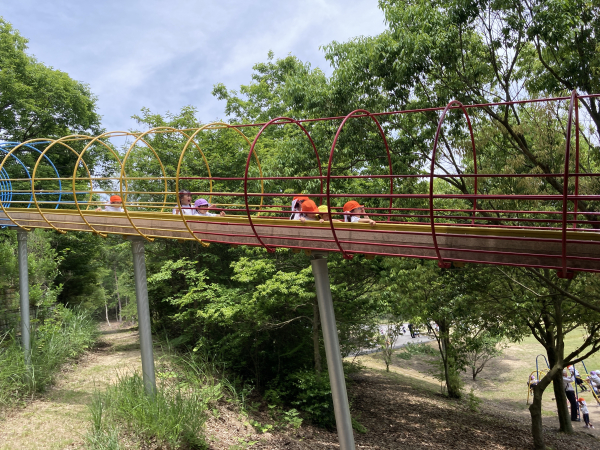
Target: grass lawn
column 503, row 382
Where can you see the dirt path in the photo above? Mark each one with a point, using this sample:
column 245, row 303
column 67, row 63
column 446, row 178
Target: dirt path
column 60, row 419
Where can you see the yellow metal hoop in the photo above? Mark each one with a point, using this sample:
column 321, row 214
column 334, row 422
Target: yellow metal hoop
column 123, row 176
column 80, row 159
column 61, row 141
column 210, row 126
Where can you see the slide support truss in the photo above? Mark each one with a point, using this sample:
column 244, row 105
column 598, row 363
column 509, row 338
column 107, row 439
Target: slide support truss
column 341, row 406
column 141, row 293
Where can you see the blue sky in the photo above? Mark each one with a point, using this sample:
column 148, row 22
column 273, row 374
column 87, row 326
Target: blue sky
column 167, row 54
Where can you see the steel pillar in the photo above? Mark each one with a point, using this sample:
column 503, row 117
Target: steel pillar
column 24, row 294
column 335, row 368
column 141, row 293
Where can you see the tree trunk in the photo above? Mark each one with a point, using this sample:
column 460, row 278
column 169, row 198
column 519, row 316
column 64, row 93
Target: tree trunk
column 106, row 311
column 535, row 410
column 452, row 380
column 316, row 337
column 564, row 414
column 120, row 318
column 556, row 356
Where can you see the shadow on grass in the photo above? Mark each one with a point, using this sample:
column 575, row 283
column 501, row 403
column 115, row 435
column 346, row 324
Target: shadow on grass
column 118, row 330
column 71, row 397
column 405, row 414
column 126, row 347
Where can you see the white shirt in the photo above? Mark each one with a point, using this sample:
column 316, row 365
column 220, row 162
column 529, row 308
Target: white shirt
column 188, row 210
column 567, row 383
column 110, row 208
column 206, row 214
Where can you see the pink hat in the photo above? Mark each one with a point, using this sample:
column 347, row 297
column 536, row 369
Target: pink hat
column 200, row 202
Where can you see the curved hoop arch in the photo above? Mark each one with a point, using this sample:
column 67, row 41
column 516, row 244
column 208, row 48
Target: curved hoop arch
column 31, row 147
column 30, row 144
column 80, row 159
column 451, row 105
column 10, row 153
column 62, row 141
column 358, row 113
column 122, row 176
column 276, row 121
column 564, row 272
column 210, row 126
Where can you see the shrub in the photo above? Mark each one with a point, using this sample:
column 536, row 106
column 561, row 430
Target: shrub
column 65, row 334
column 172, row 418
column 312, row 395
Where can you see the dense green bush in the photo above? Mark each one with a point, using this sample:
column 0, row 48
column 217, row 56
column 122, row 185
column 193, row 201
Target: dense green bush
column 64, row 334
column 308, row 392
column 312, row 394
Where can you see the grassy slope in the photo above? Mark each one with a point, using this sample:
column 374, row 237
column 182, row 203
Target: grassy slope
column 502, row 384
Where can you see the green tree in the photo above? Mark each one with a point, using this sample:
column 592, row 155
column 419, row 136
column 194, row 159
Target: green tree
column 449, row 298
column 80, row 269
column 551, row 308
column 43, row 268
column 39, row 101
column 481, row 349
column 387, row 339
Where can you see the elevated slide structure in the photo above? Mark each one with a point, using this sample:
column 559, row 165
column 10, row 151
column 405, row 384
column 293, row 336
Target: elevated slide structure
column 450, row 207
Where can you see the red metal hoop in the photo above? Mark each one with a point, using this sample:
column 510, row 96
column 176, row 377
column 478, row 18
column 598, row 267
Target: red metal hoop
column 356, row 113
column 276, row 121
column 564, row 272
column 451, row 105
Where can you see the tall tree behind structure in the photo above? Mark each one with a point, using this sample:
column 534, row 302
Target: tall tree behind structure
column 39, row 101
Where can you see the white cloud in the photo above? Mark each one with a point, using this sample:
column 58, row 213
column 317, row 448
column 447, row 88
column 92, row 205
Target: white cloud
column 168, row 54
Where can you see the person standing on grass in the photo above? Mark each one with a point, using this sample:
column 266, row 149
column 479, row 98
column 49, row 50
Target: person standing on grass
column 585, row 412
column 567, row 380
column 185, row 200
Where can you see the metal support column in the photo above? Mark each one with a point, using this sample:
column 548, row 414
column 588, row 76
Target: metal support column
column 141, row 293
column 341, row 406
column 24, row 294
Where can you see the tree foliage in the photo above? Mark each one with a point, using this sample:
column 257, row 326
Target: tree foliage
column 38, row 101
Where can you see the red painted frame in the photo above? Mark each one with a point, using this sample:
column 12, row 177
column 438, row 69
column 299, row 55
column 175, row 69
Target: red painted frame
column 476, row 217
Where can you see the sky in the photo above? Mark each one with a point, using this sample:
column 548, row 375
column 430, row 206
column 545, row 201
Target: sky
column 164, row 55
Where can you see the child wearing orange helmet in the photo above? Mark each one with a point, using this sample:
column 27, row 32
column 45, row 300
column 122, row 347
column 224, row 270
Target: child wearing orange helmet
column 309, row 211
column 114, row 205
column 584, row 411
column 297, row 207
column 356, row 213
